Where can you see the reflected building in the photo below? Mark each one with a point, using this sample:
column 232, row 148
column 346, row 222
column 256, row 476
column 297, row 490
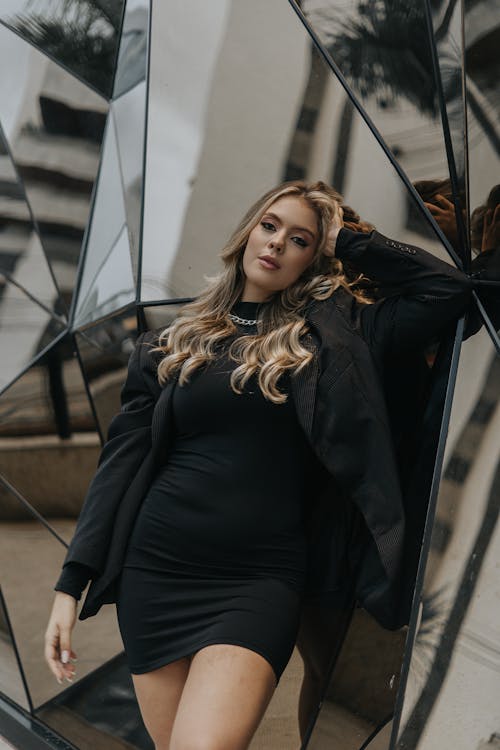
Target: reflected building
column 130, row 142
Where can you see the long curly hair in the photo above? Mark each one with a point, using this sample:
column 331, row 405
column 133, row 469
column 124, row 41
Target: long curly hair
column 201, row 325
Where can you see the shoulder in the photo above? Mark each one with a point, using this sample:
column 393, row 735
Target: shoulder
column 340, row 303
column 144, row 360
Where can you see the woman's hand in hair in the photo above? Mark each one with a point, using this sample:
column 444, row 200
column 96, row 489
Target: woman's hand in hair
column 335, row 226
column 58, row 652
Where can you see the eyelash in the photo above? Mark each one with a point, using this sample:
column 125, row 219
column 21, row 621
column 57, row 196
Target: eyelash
column 266, row 224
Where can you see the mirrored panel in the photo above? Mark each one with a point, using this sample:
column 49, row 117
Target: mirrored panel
column 106, row 281
column 482, row 70
column 31, row 560
column 82, row 36
column 11, row 677
column 129, row 113
column 99, row 713
column 384, row 51
column 451, row 698
column 54, row 126
column 26, row 330
column 132, row 57
column 229, row 117
column 448, row 204
column 48, row 442
column 362, row 689
column 104, row 351
column 22, row 259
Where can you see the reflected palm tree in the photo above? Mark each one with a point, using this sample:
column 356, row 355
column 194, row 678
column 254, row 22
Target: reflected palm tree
column 383, row 48
column 80, row 34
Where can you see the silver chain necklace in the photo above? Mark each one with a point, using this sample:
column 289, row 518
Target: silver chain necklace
column 243, row 321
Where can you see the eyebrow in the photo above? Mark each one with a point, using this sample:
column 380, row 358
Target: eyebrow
column 301, row 229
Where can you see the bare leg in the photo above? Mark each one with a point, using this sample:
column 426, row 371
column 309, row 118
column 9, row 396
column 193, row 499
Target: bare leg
column 158, row 694
column 224, row 699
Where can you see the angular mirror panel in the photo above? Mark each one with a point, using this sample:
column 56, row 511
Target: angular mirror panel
column 11, row 677
column 451, row 698
column 54, row 126
column 482, row 71
column 106, row 282
column 30, row 560
column 82, row 35
column 48, row 442
column 132, row 57
column 22, row 259
column 104, row 351
column 161, row 316
column 26, row 330
column 207, row 136
column 384, row 51
column 447, row 27
column 129, row 116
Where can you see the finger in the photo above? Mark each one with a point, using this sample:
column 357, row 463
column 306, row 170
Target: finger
column 435, row 210
column 52, row 658
column 65, row 653
column 488, row 218
column 442, row 201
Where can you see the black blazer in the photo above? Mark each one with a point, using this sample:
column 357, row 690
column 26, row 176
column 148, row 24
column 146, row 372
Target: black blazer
column 356, row 526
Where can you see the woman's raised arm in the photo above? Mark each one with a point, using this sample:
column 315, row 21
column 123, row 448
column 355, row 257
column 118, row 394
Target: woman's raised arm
column 422, row 294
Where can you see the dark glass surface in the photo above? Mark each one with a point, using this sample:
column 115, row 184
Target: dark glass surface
column 106, row 282
column 129, row 112
column 451, row 698
column 22, row 259
column 54, row 126
column 48, row 442
column 132, row 56
column 26, row 330
column 238, row 117
column 101, row 710
column 104, row 351
column 82, row 35
column 482, row 71
column 11, row 681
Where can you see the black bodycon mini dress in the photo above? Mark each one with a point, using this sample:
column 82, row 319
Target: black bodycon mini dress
column 218, row 552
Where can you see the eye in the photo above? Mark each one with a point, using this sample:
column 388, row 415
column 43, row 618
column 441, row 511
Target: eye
column 267, row 225
column 300, row 241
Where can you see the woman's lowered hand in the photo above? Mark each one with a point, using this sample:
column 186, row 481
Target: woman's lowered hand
column 58, row 652
column 335, row 226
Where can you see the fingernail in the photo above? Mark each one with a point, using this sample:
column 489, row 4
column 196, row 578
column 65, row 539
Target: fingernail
column 70, row 679
column 65, row 657
column 59, row 680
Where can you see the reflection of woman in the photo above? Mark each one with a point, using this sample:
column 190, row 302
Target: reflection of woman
column 270, row 382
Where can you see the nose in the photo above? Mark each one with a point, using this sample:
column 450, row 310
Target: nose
column 276, row 243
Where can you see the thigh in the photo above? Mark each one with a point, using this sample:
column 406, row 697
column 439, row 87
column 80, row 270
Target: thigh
column 158, row 694
column 225, row 696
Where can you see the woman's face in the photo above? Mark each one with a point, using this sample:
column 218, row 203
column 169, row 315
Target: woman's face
column 288, row 235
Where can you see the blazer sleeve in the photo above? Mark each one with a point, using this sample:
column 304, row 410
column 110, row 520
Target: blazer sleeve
column 422, row 294
column 128, row 442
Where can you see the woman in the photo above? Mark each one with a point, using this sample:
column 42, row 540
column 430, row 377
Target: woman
column 255, row 423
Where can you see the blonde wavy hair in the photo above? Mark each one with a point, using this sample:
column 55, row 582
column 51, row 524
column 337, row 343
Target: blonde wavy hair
column 201, row 325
